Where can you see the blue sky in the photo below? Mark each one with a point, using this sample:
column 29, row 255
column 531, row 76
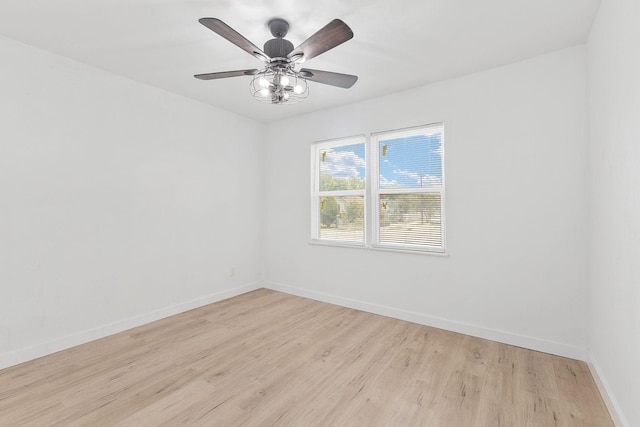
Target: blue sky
column 409, row 162
column 345, row 161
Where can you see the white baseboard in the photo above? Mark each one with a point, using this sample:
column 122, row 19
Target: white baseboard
column 23, row 355
column 605, row 391
column 546, row 346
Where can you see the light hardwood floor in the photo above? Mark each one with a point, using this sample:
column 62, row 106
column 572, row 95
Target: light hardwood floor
column 270, row 359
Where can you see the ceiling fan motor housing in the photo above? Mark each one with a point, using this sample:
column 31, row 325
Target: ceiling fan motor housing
column 278, row 48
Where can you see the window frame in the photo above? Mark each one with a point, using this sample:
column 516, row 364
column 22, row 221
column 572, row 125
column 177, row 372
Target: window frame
column 372, row 193
column 375, row 192
column 316, row 193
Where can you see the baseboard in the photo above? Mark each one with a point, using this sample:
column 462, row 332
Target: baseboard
column 605, row 392
column 546, row 346
column 23, row 355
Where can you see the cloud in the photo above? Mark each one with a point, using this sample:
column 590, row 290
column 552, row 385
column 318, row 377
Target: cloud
column 430, row 180
column 440, row 149
column 385, row 183
column 342, row 164
column 421, row 181
column 411, row 175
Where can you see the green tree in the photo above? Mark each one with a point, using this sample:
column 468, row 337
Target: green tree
column 329, row 183
column 427, row 205
column 355, row 183
column 354, row 210
column 329, row 210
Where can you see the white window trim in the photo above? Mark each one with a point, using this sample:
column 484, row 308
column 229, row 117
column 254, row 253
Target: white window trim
column 373, row 186
column 316, row 193
column 371, row 195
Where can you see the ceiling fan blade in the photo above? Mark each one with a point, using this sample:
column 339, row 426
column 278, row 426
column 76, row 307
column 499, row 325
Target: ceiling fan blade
column 331, row 35
column 329, row 78
column 222, row 29
column 225, row 74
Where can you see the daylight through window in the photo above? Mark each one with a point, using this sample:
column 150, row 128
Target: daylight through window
column 338, row 200
column 392, row 198
column 409, row 188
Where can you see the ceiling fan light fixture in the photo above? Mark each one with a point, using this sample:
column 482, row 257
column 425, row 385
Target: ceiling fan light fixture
column 279, row 86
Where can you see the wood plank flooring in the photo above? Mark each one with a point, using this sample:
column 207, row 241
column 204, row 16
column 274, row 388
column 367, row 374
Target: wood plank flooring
column 270, row 359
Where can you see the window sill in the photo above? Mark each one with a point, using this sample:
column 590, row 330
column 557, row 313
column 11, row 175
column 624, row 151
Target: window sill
column 399, row 249
column 407, row 250
column 337, row 243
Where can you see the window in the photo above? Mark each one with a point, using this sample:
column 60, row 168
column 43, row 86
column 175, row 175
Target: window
column 391, row 199
column 409, row 188
column 338, row 195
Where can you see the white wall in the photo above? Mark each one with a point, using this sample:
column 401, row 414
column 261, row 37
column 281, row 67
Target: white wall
column 119, row 203
column 516, row 171
column 614, row 116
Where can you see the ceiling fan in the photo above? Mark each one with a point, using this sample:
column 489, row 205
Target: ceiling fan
column 279, row 82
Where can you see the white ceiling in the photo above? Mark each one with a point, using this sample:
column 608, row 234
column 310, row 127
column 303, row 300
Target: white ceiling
column 398, row 44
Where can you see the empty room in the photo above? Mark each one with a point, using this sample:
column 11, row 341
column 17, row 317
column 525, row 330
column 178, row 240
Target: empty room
column 278, row 213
